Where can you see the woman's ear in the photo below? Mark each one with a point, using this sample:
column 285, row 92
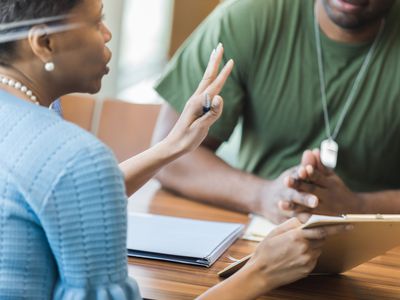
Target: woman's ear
column 41, row 42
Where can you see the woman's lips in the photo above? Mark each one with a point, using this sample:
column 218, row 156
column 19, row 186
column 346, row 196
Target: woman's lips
column 107, row 60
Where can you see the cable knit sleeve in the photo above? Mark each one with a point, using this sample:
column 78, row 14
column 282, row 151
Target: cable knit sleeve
column 84, row 218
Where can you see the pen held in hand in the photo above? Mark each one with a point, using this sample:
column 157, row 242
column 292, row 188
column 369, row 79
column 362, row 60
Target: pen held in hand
column 232, row 268
column 207, row 104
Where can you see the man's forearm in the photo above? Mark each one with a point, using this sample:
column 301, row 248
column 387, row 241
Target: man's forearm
column 203, row 176
column 384, row 202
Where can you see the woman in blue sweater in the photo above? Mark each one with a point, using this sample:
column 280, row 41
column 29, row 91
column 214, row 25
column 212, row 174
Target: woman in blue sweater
column 62, row 194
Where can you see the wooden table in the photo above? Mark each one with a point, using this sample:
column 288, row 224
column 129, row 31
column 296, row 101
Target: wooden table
column 378, row 279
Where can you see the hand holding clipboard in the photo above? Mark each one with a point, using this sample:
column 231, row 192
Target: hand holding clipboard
column 372, row 235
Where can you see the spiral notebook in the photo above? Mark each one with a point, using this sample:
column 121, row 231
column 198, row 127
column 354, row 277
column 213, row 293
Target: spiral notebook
column 179, row 240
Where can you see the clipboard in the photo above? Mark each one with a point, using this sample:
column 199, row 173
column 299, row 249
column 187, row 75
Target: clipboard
column 373, row 235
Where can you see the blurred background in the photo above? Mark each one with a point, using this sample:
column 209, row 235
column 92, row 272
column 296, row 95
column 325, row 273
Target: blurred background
column 146, row 33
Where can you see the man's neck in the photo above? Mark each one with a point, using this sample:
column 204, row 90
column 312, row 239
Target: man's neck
column 339, row 34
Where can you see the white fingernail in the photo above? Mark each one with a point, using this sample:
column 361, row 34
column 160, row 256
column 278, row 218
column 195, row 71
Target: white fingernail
column 212, row 53
column 216, row 102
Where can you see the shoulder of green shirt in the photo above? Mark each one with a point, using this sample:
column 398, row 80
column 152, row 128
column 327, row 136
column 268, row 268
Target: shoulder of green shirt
column 235, row 23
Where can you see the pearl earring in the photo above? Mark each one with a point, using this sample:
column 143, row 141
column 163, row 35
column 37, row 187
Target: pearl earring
column 49, row 66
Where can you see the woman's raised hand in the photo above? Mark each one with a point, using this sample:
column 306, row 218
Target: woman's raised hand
column 203, row 108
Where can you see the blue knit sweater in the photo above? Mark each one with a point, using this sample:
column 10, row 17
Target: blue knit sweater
column 62, row 210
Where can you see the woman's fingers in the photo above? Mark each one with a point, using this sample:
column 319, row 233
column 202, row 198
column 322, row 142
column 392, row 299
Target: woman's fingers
column 316, row 244
column 193, row 126
column 303, row 216
column 212, row 115
column 212, row 69
column 211, row 92
column 216, row 86
column 286, row 226
column 204, row 107
column 195, row 108
column 323, row 232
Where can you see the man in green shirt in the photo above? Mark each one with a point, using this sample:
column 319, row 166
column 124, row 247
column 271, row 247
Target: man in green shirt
column 305, row 72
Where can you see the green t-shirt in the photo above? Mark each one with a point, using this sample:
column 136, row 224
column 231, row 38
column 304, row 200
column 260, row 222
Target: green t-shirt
column 275, row 88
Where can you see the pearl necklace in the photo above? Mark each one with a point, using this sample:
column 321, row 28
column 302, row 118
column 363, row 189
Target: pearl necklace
column 20, row 87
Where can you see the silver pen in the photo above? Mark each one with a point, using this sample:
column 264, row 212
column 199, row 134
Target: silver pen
column 207, row 105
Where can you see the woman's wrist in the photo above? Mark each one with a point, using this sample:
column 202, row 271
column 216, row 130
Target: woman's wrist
column 170, row 149
column 255, row 278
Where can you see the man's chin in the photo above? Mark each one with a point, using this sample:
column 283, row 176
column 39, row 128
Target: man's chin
column 343, row 20
column 353, row 20
column 350, row 23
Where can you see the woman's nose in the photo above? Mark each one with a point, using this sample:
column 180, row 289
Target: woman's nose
column 107, row 33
